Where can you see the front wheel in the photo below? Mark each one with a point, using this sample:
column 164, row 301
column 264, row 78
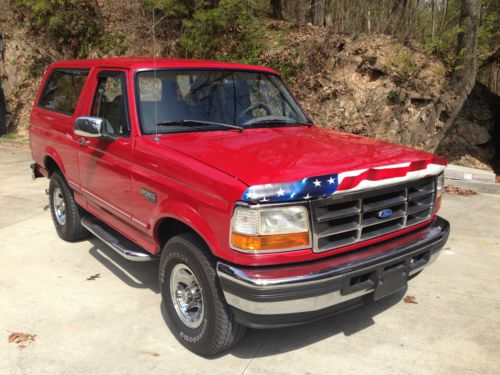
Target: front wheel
column 196, row 311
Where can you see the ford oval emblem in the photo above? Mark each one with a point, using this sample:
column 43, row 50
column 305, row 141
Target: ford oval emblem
column 384, row 214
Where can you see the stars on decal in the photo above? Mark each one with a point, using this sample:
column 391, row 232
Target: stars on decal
column 250, row 195
column 305, row 189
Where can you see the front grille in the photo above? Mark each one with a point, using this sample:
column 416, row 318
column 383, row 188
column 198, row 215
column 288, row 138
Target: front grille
column 353, row 217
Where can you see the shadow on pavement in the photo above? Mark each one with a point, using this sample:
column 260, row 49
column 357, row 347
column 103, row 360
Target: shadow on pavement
column 264, row 343
column 141, row 275
column 255, row 343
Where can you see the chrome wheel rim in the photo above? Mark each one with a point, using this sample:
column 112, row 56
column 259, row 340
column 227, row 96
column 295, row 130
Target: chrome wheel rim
column 59, row 206
column 186, row 295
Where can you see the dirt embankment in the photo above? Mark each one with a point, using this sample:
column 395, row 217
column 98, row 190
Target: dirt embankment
column 379, row 87
column 23, row 60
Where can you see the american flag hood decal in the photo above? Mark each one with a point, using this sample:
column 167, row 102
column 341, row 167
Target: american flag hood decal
column 335, row 183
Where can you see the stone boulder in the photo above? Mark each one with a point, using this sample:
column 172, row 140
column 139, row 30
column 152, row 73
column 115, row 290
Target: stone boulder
column 473, row 133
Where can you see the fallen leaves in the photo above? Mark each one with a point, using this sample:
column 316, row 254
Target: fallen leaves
column 21, row 339
column 455, row 190
column 410, row 299
column 93, row 277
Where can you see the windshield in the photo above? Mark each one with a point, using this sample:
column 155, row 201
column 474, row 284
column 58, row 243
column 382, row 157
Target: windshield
column 196, row 100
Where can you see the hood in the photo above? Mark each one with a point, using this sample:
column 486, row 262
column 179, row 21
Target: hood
column 275, row 155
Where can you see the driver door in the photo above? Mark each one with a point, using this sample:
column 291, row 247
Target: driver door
column 105, row 165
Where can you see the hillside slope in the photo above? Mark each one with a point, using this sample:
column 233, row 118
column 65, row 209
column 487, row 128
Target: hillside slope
column 372, row 85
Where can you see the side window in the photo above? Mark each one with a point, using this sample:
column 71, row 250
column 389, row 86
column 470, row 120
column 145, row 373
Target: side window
column 110, row 103
column 62, row 90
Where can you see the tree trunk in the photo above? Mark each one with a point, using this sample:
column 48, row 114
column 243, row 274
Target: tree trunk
column 369, row 20
column 445, row 13
column 318, row 12
column 464, row 75
column 433, row 10
column 435, row 121
column 277, row 6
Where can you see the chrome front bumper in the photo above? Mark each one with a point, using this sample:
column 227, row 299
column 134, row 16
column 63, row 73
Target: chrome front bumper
column 292, row 294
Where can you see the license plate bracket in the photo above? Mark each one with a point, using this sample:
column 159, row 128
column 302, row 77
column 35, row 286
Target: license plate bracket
column 391, row 281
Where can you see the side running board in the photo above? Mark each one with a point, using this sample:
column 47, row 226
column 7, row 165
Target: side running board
column 122, row 246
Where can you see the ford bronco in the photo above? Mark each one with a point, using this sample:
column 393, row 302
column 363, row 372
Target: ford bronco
column 258, row 217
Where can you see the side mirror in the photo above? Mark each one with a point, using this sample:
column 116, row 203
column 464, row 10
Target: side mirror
column 92, row 127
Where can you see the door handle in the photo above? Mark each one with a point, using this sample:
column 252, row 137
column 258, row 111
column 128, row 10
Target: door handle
column 83, row 141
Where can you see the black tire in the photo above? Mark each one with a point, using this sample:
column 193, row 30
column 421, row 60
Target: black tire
column 71, row 229
column 218, row 330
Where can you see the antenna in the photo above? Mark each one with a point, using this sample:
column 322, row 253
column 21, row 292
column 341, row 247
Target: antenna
column 156, row 138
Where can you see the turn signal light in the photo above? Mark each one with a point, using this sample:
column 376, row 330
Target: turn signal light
column 270, row 242
column 439, row 192
column 437, row 204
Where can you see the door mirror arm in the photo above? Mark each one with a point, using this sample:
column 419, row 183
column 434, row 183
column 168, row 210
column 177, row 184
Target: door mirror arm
column 109, row 137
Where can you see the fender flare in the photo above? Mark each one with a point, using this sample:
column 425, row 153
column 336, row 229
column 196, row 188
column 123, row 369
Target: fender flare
column 54, row 155
column 189, row 217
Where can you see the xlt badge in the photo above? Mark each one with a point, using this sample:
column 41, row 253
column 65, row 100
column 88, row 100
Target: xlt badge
column 149, row 195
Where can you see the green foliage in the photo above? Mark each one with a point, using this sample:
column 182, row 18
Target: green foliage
column 171, row 8
column 403, row 62
column 9, row 136
column 232, row 29
column 286, row 68
column 444, row 47
column 112, row 43
column 393, row 97
column 73, row 23
column 413, row 20
column 36, row 66
column 228, row 31
column 283, row 55
column 444, row 42
column 488, row 33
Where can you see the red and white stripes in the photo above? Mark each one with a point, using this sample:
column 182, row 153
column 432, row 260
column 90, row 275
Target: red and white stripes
column 390, row 174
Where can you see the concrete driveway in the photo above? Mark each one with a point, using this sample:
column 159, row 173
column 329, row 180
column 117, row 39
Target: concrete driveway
column 113, row 324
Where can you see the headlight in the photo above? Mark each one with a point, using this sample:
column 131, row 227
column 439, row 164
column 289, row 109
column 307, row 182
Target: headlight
column 270, row 229
column 439, row 191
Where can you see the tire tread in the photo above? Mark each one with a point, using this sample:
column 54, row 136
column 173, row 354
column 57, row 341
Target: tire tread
column 228, row 332
column 74, row 230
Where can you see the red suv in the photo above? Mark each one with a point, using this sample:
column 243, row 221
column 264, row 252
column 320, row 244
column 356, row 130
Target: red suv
column 258, row 217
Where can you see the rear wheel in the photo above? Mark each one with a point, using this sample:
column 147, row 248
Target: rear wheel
column 65, row 212
column 196, row 311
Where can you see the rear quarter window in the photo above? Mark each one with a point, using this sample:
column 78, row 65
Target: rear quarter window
column 62, row 90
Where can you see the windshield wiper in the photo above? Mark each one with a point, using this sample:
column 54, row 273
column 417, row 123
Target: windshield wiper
column 279, row 121
column 196, row 123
